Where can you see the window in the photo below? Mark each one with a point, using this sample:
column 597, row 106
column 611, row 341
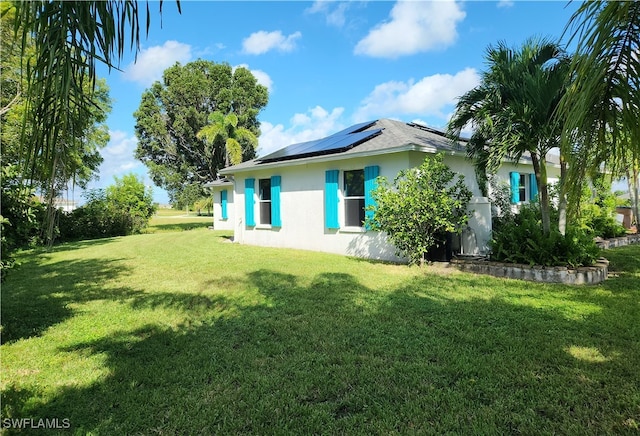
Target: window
column 357, row 188
column 354, row 198
column 522, row 187
column 264, row 186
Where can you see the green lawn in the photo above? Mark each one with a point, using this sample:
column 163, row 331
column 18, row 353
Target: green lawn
column 186, row 333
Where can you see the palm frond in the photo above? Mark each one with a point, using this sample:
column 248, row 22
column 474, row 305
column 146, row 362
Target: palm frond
column 70, row 37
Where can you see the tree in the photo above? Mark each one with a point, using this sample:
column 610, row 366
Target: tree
column 129, row 195
column 172, row 113
column 423, row 205
column 223, row 131
column 513, row 110
column 188, row 195
column 602, row 107
column 74, row 158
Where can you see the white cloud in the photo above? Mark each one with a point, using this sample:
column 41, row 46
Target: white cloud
column 316, row 123
column 505, row 3
column 118, row 156
column 152, row 62
column 414, row 27
column 263, row 78
column 262, row 42
column 335, row 16
column 431, row 96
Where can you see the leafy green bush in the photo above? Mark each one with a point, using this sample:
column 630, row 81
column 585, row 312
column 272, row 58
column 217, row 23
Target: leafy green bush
column 520, row 239
column 123, row 209
column 421, row 208
column 129, row 195
column 20, row 217
column 598, row 209
column 98, row 218
column 606, row 227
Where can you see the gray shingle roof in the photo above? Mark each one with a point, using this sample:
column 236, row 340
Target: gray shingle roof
column 396, row 136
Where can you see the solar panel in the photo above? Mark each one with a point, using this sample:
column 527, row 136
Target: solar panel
column 335, row 143
column 355, row 128
column 291, row 150
column 348, row 141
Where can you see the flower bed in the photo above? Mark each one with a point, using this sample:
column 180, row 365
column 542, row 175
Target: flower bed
column 557, row 274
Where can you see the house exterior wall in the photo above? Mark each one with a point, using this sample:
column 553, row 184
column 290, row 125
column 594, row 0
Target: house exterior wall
column 506, row 169
column 302, row 207
column 219, row 222
column 303, row 214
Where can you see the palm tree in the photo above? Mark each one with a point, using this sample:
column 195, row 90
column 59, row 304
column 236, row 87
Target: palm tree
column 602, row 107
column 223, row 129
column 69, row 38
column 513, row 110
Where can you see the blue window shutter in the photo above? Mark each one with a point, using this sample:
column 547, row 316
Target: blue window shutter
column 223, row 203
column 533, row 187
column 515, row 186
column 276, row 221
column 370, row 183
column 331, row 199
column 249, row 186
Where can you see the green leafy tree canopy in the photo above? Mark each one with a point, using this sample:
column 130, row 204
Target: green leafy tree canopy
column 174, row 111
column 130, row 195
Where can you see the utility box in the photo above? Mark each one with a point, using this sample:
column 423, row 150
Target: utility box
column 625, row 216
column 479, row 232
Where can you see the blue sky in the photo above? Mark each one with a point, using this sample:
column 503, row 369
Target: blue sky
column 327, row 64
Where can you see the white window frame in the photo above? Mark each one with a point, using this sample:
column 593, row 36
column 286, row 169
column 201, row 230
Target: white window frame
column 261, row 202
column 351, row 227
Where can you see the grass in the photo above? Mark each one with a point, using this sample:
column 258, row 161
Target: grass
column 186, row 333
column 172, row 220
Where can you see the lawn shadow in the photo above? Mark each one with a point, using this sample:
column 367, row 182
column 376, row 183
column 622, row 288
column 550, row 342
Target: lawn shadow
column 177, row 227
column 336, row 357
column 29, row 307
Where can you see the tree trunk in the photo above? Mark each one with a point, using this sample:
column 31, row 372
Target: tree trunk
column 633, row 180
column 51, row 212
column 562, row 201
column 540, row 170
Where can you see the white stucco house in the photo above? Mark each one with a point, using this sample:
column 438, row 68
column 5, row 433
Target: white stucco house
column 223, row 210
column 313, row 195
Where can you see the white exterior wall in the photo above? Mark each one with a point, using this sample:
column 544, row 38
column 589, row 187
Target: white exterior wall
column 553, row 172
column 218, row 222
column 302, row 210
column 303, row 215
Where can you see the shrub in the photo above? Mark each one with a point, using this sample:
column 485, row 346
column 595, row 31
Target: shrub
column 123, row 209
column 606, row 227
column 598, row 209
column 520, row 239
column 422, row 206
column 20, row 217
column 130, row 196
column 98, row 218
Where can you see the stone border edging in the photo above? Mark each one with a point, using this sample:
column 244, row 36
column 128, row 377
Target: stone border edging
column 590, row 275
column 619, row 242
column 555, row 274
